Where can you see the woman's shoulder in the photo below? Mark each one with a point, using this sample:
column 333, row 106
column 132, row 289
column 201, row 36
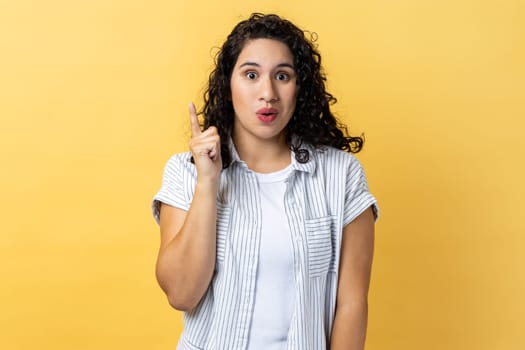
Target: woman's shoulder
column 178, row 157
column 180, row 162
column 328, row 155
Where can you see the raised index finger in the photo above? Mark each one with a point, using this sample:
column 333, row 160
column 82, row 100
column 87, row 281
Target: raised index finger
column 194, row 121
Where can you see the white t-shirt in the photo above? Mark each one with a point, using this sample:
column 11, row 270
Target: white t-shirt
column 275, row 282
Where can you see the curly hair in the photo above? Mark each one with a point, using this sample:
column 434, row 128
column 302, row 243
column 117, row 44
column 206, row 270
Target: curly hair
column 312, row 123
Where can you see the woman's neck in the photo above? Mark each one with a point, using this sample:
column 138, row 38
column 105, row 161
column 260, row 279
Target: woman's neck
column 264, row 156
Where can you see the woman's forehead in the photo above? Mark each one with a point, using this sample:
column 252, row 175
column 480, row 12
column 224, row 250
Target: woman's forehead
column 260, row 51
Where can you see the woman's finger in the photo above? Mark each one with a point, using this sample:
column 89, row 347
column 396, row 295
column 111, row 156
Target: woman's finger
column 194, row 121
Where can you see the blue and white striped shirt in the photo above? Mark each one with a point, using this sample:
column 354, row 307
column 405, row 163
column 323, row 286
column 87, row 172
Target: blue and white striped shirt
column 322, row 196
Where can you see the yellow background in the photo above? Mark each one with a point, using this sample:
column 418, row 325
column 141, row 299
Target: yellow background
column 93, row 98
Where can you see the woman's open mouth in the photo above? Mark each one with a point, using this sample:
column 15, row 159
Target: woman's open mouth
column 267, row 115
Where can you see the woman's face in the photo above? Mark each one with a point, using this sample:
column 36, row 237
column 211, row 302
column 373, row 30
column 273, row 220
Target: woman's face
column 264, row 91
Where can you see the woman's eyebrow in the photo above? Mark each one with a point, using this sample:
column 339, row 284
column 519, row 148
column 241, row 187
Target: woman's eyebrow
column 286, row 65
column 249, row 64
column 254, row 64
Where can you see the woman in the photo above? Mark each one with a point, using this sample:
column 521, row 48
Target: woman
column 267, row 224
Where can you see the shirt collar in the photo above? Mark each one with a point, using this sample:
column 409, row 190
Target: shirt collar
column 311, row 164
column 233, row 152
column 308, row 167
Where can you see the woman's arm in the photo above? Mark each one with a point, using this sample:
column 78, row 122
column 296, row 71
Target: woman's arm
column 187, row 251
column 351, row 314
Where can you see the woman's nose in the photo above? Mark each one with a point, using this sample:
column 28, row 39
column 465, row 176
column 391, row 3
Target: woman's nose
column 268, row 92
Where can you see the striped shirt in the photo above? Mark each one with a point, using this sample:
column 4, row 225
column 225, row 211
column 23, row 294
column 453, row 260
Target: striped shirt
column 322, row 196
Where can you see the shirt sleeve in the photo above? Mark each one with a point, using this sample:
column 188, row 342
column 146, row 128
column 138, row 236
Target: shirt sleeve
column 175, row 183
column 357, row 196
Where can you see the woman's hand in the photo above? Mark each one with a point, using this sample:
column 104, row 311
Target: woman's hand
column 206, row 149
column 188, row 238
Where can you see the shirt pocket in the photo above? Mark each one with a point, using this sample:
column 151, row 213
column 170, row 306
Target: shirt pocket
column 320, row 245
column 223, row 229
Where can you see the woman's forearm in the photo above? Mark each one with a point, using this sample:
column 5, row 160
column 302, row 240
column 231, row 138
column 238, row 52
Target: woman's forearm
column 185, row 265
column 349, row 330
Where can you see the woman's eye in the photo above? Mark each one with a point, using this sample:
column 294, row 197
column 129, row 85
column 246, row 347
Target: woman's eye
column 251, row 75
column 282, row 76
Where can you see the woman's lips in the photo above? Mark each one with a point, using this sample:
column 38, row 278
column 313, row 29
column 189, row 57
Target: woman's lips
column 267, row 118
column 267, row 115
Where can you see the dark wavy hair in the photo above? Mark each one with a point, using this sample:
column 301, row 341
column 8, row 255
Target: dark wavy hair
column 312, row 123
